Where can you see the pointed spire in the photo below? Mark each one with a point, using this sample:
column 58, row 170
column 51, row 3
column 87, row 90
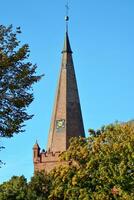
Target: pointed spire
column 67, row 46
column 36, row 146
column 66, row 119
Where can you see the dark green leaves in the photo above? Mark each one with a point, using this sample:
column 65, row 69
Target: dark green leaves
column 17, row 76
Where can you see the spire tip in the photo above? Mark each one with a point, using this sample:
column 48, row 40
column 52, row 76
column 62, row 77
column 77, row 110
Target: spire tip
column 67, row 17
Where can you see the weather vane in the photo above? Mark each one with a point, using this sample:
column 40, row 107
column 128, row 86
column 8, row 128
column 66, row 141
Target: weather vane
column 67, row 17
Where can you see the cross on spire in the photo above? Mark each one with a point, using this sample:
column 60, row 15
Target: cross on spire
column 67, row 8
column 67, row 17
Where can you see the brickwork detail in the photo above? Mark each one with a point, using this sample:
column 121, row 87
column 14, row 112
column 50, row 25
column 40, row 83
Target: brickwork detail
column 45, row 161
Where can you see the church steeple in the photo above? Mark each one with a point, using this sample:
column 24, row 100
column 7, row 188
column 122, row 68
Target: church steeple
column 66, row 119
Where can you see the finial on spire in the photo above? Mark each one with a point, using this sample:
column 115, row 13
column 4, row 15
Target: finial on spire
column 67, row 17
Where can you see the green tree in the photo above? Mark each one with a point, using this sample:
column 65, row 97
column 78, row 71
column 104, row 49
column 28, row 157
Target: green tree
column 14, row 189
column 39, row 187
column 99, row 167
column 17, row 76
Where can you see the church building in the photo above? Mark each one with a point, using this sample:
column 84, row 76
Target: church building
column 66, row 121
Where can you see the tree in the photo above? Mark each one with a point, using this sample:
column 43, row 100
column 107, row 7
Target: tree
column 17, row 76
column 100, row 167
column 16, row 188
column 39, row 187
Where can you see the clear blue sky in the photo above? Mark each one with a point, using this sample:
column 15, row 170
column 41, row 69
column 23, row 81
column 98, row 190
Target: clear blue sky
column 102, row 39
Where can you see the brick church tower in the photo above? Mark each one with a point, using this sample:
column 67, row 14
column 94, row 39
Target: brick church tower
column 66, row 119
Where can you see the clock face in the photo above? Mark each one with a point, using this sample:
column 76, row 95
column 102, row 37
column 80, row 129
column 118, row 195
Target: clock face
column 60, row 123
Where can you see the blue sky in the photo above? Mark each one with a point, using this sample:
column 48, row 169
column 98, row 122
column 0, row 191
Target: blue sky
column 102, row 40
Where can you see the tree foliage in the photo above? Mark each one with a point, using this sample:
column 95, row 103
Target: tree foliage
column 98, row 167
column 14, row 189
column 39, row 187
column 102, row 166
column 17, row 188
column 17, row 75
